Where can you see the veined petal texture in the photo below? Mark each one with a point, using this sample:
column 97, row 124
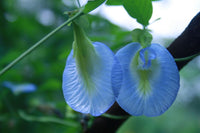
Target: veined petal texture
column 150, row 79
column 90, row 91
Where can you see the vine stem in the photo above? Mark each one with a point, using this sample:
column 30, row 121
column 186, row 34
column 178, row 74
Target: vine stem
column 46, row 119
column 79, row 4
column 115, row 116
column 187, row 58
column 27, row 52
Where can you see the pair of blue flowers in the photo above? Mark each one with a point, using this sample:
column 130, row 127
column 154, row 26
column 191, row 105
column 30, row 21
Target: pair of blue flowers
column 143, row 81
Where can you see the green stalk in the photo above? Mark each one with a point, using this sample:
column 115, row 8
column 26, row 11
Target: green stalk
column 47, row 119
column 187, row 58
column 115, row 116
column 27, row 52
column 79, row 4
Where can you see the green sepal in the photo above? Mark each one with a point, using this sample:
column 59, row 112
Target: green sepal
column 142, row 36
column 83, row 22
column 82, row 43
column 83, row 52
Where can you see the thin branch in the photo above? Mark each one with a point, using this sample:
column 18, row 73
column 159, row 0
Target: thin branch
column 79, row 4
column 36, row 45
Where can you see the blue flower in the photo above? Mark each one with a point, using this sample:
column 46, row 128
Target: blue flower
column 150, row 79
column 87, row 76
column 20, row 88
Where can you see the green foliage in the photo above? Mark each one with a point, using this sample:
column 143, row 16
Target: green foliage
column 92, row 4
column 114, row 2
column 119, row 2
column 139, row 9
column 108, row 33
column 170, row 122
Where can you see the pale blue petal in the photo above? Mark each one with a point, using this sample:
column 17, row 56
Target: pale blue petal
column 96, row 97
column 163, row 82
column 124, row 56
column 20, row 88
column 117, row 76
column 165, row 85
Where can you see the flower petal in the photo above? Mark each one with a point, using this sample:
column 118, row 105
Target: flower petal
column 20, row 88
column 118, row 71
column 117, row 76
column 149, row 91
column 96, row 96
column 146, row 56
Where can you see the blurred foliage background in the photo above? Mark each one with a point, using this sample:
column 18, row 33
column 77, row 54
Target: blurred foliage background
column 23, row 23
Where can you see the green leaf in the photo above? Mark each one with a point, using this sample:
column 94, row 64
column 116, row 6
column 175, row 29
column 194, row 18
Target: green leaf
column 114, row 2
column 139, row 9
column 46, row 119
column 142, row 36
column 92, row 4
